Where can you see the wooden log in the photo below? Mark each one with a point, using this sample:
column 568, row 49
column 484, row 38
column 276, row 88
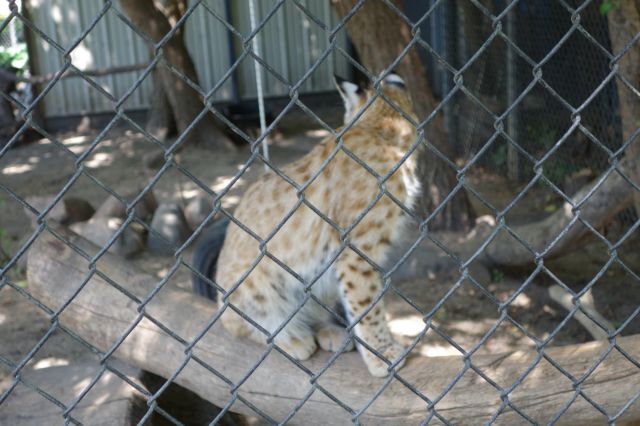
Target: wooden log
column 613, row 195
column 101, row 315
column 563, row 298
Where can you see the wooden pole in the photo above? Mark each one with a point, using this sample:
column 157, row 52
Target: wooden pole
column 101, row 315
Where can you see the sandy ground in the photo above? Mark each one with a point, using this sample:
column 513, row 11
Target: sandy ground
column 43, row 169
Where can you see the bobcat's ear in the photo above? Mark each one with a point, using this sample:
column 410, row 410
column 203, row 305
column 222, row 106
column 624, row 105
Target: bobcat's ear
column 348, row 91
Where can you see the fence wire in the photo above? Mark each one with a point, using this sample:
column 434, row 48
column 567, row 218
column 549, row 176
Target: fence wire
column 536, row 81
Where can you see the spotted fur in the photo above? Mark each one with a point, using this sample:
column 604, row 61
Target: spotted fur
column 308, row 245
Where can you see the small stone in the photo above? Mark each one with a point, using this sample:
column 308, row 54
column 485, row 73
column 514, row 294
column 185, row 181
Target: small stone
column 78, row 210
column 577, row 180
column 153, row 160
column 22, row 260
column 66, row 211
column 112, row 207
column 170, row 228
column 480, row 273
column 197, row 211
column 100, row 231
column 40, row 203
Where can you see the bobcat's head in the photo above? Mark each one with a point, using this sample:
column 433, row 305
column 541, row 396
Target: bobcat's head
column 392, row 87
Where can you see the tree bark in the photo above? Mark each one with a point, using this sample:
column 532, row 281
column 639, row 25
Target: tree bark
column 172, row 9
column 186, row 104
column 161, row 123
column 624, row 25
column 379, row 37
column 102, row 315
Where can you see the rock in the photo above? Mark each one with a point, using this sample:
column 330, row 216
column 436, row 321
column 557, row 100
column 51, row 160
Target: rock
column 40, row 203
column 112, row 207
column 78, row 210
column 197, row 211
column 66, row 211
column 153, row 160
column 22, row 260
column 100, row 231
column 577, row 180
column 169, row 222
column 480, row 273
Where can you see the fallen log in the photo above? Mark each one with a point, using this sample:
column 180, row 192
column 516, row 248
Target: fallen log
column 613, row 195
column 102, row 315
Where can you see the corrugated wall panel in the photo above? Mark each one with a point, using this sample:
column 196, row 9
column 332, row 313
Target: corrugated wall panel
column 207, row 41
column 97, row 41
column 289, row 49
column 290, row 43
column 48, row 58
column 110, row 43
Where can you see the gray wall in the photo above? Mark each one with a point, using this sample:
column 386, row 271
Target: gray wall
column 290, row 43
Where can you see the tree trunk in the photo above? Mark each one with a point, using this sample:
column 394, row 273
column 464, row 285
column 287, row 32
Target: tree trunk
column 377, row 49
column 186, row 104
column 103, row 315
column 160, row 123
column 624, row 25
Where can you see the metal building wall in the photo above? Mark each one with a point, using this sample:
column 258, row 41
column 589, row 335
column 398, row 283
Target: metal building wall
column 290, row 42
column 110, row 43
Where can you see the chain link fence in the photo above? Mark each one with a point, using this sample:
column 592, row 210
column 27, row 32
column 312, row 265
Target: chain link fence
column 535, row 78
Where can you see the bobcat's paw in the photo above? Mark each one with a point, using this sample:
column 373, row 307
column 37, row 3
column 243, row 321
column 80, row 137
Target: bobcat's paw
column 330, row 337
column 299, row 348
column 377, row 367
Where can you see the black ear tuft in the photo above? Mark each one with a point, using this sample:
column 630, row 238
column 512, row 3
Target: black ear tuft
column 394, row 79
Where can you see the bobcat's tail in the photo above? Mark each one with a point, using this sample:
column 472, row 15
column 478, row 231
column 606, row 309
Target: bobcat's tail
column 205, row 258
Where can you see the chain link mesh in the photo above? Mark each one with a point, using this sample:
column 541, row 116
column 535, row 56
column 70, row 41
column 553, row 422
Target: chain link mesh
column 472, row 87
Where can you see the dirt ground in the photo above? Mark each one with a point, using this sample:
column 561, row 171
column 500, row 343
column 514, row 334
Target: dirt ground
column 44, row 168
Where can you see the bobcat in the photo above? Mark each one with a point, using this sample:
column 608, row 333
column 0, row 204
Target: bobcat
column 311, row 246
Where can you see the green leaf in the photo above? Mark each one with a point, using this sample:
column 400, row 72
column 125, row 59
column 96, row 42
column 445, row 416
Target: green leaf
column 497, row 276
column 605, row 7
